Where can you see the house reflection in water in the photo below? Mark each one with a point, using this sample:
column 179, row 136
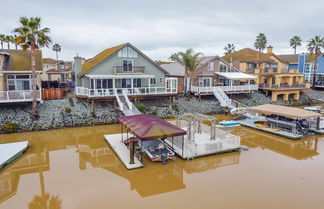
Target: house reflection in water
column 94, row 152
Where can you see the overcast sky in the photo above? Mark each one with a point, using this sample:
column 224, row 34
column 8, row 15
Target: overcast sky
column 161, row 27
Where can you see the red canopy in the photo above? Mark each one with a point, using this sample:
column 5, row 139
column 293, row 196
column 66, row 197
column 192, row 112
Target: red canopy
column 147, row 127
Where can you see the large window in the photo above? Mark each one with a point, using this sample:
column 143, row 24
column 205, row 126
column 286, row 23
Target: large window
column 222, row 67
column 152, row 81
column 19, row 82
column 127, row 65
column 101, row 83
column 137, row 82
column 127, row 52
column 210, row 66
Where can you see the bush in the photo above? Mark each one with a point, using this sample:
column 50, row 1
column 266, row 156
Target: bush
column 68, row 110
column 154, row 112
column 10, row 127
column 141, row 107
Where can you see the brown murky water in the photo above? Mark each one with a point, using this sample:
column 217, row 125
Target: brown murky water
column 75, row 169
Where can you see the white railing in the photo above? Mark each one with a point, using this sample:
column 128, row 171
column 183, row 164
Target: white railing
column 81, row 91
column 19, row 96
column 237, row 88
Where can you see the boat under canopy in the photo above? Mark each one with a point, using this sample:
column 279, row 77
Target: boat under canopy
column 288, row 112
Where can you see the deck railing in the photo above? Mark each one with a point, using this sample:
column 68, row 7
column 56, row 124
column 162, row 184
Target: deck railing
column 18, row 96
column 81, row 91
column 129, row 69
column 281, row 86
column 236, row 88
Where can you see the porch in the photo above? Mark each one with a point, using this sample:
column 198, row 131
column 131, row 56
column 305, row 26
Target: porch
column 102, row 86
column 18, row 96
column 229, row 82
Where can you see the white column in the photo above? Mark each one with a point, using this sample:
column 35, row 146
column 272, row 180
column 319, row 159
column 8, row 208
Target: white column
column 132, row 85
column 149, row 83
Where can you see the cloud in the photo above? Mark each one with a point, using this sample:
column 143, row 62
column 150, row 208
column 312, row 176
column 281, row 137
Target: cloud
column 160, row 28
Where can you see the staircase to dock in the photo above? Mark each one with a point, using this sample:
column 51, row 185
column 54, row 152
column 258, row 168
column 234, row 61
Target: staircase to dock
column 125, row 105
column 221, row 96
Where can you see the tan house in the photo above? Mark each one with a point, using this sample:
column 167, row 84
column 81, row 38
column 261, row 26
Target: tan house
column 16, row 75
column 273, row 75
column 54, row 70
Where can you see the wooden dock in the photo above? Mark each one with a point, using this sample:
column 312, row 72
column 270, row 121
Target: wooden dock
column 122, row 151
column 11, row 151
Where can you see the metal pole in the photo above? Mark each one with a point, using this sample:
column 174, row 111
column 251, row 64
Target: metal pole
column 182, row 144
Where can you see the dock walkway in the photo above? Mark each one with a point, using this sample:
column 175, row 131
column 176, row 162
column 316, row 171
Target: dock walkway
column 115, row 142
column 10, row 151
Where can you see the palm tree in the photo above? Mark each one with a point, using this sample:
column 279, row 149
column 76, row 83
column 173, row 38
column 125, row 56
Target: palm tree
column 174, row 57
column 260, row 42
column 8, row 40
column 32, row 36
column 14, row 40
column 314, row 47
column 56, row 48
column 2, row 39
column 294, row 42
column 229, row 49
column 189, row 59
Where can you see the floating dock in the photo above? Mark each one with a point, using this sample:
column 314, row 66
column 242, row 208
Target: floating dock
column 122, row 151
column 202, row 145
column 249, row 122
column 11, row 151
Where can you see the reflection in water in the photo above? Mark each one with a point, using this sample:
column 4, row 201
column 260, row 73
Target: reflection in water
column 87, row 152
column 297, row 149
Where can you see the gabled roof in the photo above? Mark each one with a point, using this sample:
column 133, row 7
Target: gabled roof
column 250, row 55
column 174, row 68
column 92, row 62
column 20, row 60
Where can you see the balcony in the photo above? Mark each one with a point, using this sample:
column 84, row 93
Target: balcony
column 267, row 70
column 281, row 86
column 18, row 96
column 129, row 69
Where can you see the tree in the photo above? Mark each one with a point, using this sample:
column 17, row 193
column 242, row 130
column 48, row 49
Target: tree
column 229, row 49
column 8, row 40
column 56, row 48
column 294, row 42
column 31, row 36
column 314, row 46
column 2, row 39
column 189, row 59
column 174, row 57
column 14, row 40
column 260, row 42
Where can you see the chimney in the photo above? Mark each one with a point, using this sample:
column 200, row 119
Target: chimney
column 269, row 49
column 77, row 69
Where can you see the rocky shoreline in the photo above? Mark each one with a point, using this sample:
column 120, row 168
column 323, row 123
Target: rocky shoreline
column 55, row 114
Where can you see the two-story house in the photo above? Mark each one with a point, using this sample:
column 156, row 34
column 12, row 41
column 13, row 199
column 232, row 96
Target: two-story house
column 54, row 70
column 16, row 75
column 121, row 69
column 272, row 72
column 305, row 63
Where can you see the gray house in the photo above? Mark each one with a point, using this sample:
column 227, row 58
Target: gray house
column 122, row 69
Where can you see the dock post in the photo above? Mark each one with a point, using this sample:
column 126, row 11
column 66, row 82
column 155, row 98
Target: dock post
column 318, row 123
column 131, row 151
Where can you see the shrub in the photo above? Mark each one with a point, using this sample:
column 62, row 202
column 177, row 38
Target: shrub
column 68, row 109
column 154, row 112
column 10, row 127
column 141, row 107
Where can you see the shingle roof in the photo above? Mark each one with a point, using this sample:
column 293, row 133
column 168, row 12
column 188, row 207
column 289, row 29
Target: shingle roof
column 290, row 58
column 248, row 55
column 90, row 63
column 174, row 68
column 51, row 61
column 20, row 60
